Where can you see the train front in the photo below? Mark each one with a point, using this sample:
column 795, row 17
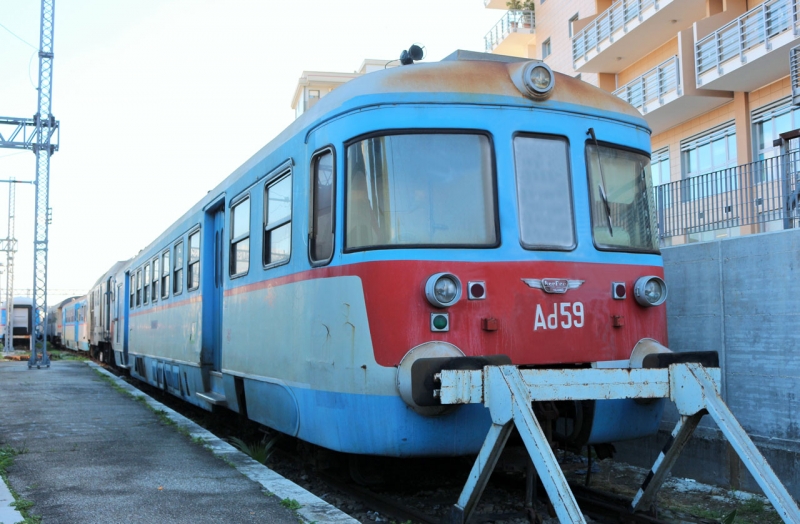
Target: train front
column 498, row 213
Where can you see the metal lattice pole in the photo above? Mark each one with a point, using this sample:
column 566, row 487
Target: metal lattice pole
column 45, row 128
column 11, row 248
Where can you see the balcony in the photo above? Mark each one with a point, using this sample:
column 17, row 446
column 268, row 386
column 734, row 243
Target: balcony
column 751, row 51
column 629, row 30
column 794, row 68
column 666, row 95
column 512, row 34
column 764, row 194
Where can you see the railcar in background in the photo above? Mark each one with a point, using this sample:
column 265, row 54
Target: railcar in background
column 481, row 209
column 55, row 323
column 22, row 321
column 75, row 334
column 103, row 317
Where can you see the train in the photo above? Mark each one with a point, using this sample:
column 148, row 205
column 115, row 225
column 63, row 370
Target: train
column 478, row 210
column 22, row 321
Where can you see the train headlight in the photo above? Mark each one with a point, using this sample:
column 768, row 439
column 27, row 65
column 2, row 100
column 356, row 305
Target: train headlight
column 650, row 291
column 443, row 289
column 539, row 79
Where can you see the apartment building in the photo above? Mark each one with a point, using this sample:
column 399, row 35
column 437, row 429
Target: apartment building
column 313, row 85
column 713, row 79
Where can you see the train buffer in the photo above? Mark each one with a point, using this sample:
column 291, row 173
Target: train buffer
column 508, row 392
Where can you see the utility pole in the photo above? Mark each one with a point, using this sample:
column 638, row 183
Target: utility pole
column 9, row 245
column 39, row 134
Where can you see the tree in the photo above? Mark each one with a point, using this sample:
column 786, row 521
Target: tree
column 529, row 5
column 514, row 5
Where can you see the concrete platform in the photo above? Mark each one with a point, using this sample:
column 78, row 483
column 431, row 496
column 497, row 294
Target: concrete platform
column 89, row 452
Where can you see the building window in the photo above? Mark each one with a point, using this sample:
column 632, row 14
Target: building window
column 711, row 154
column 278, row 221
column 571, row 24
column 769, row 122
column 177, row 269
column 240, row 238
column 193, row 271
column 313, row 98
column 165, row 269
column 321, row 238
column 156, row 276
column 659, row 171
column 659, row 167
column 546, row 49
column 146, row 295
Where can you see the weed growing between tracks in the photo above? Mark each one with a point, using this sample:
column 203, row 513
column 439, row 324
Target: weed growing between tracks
column 22, row 505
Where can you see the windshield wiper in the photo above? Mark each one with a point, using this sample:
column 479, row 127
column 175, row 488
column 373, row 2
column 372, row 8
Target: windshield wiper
column 602, row 185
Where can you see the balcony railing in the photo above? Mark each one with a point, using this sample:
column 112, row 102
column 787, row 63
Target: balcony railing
column 653, row 85
column 755, row 27
column 611, row 20
column 511, row 22
column 756, row 193
column 794, row 71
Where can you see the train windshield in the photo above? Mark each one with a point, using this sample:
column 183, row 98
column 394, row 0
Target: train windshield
column 623, row 211
column 420, row 190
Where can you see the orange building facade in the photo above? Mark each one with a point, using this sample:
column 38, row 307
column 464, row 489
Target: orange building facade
column 713, row 79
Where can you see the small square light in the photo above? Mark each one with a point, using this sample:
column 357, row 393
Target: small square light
column 440, row 322
column 476, row 290
column 618, row 290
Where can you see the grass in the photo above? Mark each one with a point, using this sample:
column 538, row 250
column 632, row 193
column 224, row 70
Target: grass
column 22, row 505
column 291, row 504
column 258, row 451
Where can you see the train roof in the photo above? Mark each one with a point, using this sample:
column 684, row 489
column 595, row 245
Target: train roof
column 113, row 271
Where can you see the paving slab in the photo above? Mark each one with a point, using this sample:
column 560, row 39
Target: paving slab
column 90, row 452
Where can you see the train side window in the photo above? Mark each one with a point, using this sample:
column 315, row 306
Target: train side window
column 138, row 287
column 321, row 239
column 165, row 269
column 278, row 221
column 146, row 295
column 177, row 271
column 156, row 276
column 240, row 238
column 193, row 271
column 544, row 193
column 132, row 289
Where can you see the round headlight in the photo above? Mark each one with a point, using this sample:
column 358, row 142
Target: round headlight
column 443, row 289
column 539, row 79
column 650, row 291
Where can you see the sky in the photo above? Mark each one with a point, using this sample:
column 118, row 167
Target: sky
column 159, row 100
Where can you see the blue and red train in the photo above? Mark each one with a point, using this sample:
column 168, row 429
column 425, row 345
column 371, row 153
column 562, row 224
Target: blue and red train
column 482, row 209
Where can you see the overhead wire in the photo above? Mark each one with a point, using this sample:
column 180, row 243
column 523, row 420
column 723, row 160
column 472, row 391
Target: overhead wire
column 19, row 37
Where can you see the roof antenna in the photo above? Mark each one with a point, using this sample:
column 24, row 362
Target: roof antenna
column 414, row 53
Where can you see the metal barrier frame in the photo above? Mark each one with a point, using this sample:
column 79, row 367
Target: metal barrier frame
column 509, row 393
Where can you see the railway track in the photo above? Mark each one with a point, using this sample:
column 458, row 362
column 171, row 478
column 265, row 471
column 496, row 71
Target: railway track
column 403, row 500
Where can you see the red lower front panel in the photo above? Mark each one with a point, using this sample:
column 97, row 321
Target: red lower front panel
column 584, row 324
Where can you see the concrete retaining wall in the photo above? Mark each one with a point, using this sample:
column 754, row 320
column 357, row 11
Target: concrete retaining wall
column 740, row 297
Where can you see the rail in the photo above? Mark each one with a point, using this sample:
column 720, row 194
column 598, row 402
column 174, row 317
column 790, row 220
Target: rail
column 794, row 67
column 510, row 23
column 612, row 19
column 653, row 85
column 756, row 193
column 756, row 27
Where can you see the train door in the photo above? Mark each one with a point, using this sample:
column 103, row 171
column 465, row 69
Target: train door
column 213, row 274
